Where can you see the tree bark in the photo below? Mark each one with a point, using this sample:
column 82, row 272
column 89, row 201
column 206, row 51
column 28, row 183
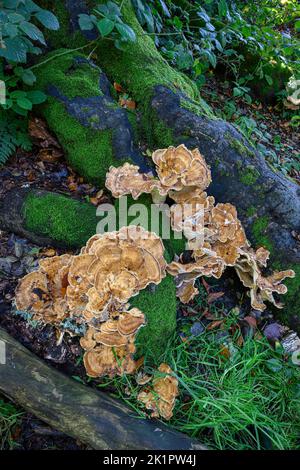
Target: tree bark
column 86, row 118
column 93, row 418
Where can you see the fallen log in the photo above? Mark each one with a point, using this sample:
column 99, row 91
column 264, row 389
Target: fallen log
column 93, row 418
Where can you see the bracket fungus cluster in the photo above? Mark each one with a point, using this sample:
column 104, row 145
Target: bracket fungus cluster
column 159, row 397
column 214, row 233
column 93, row 289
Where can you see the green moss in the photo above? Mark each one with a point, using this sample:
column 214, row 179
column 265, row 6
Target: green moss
column 58, row 71
column 259, row 229
column 140, row 67
column 162, row 135
column 159, row 307
column 200, row 107
column 88, row 151
column 237, row 145
column 249, row 176
column 251, row 211
column 71, row 223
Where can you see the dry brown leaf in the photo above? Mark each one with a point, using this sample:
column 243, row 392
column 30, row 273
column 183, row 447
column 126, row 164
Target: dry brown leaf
column 213, row 296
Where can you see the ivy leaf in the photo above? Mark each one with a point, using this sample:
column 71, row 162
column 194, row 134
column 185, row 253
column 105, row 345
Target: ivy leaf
column 12, row 4
column 127, row 33
column 32, row 32
column 105, row 26
column 36, row 96
column 48, row 19
column 85, row 22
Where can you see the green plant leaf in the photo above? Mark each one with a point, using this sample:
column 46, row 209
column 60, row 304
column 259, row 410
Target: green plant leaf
column 48, row 19
column 275, row 365
column 15, row 51
column 36, row 96
column 126, row 32
column 105, row 26
column 269, row 79
column 85, row 22
column 24, row 103
column 15, row 18
column 32, row 32
column 28, row 77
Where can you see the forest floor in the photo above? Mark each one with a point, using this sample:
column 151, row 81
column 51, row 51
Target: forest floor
column 210, row 310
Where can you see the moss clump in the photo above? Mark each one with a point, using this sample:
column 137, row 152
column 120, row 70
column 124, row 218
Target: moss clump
column 69, row 222
column 59, row 71
column 249, row 176
column 140, row 67
column 237, row 145
column 259, row 229
column 200, row 107
column 159, row 307
column 88, row 151
column 161, row 136
column 251, row 211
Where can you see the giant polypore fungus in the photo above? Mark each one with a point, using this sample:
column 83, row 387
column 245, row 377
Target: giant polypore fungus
column 110, row 348
column 160, row 397
column 261, row 288
column 214, row 233
column 127, row 179
column 178, row 167
column 93, row 290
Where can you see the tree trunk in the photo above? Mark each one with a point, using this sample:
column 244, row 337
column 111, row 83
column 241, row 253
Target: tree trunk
column 96, row 133
column 93, row 418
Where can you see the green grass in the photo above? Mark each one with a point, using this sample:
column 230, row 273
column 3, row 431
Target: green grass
column 249, row 401
column 9, row 418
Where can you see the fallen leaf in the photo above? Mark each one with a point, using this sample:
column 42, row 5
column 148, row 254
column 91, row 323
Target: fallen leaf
column 48, row 252
column 225, row 352
column 128, row 104
column 50, row 155
column 118, row 87
column 251, row 321
column 214, row 296
column 205, row 284
column 214, row 324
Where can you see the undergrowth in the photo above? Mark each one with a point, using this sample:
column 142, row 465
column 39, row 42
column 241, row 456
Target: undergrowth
column 247, row 401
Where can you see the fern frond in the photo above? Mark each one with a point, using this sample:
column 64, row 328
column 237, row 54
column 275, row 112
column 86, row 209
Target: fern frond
column 13, row 133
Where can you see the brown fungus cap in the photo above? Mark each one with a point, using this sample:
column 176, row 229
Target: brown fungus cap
column 160, row 398
column 104, row 360
column 32, row 293
column 127, row 179
column 261, row 288
column 178, row 167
